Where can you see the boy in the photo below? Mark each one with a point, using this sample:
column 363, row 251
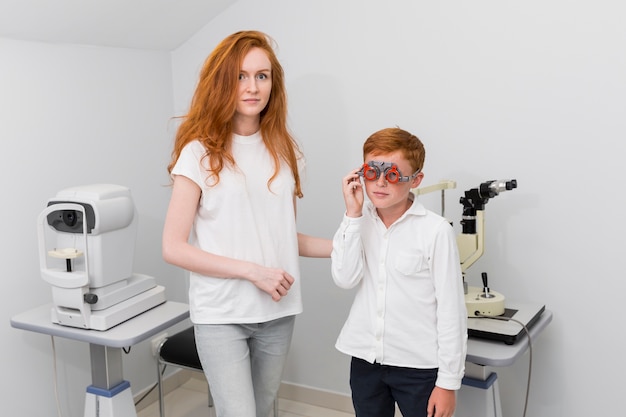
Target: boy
column 407, row 328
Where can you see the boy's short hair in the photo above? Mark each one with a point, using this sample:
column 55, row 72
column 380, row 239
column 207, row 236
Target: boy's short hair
column 395, row 139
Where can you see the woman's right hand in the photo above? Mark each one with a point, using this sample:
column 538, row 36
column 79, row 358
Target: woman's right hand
column 275, row 282
column 177, row 250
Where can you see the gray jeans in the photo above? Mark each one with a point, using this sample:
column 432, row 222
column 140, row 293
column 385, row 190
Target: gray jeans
column 243, row 364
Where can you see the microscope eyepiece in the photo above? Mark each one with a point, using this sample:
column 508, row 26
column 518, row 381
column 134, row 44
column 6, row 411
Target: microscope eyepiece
column 497, row 186
column 511, row 184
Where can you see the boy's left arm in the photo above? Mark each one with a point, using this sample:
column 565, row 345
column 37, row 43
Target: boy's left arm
column 451, row 323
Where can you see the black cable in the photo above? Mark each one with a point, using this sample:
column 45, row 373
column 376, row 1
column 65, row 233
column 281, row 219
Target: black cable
column 530, row 352
column 156, row 384
column 151, row 389
column 153, row 386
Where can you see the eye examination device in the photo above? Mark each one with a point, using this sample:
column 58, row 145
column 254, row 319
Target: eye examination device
column 483, row 301
column 86, row 239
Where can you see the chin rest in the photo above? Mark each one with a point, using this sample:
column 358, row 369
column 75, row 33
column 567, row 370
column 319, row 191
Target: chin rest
column 180, row 350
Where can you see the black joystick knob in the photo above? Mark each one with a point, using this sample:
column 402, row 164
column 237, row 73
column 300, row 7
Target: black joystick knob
column 90, row 298
column 486, row 293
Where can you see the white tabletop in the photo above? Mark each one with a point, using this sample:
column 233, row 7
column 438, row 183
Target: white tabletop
column 495, row 353
column 128, row 333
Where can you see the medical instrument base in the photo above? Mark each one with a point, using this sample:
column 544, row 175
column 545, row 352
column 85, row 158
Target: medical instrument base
column 479, row 397
column 117, row 401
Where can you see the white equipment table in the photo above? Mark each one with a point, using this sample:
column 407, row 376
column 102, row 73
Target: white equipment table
column 479, row 395
column 109, row 394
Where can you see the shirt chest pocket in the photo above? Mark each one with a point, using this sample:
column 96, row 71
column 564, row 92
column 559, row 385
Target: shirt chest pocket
column 412, row 264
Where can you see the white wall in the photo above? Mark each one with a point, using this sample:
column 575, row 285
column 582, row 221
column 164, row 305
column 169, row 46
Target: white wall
column 496, row 89
column 74, row 115
column 533, row 91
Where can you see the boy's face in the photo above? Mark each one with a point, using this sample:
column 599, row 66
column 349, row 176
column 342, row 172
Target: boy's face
column 387, row 196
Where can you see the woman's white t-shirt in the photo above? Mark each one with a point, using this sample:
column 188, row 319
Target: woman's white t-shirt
column 241, row 218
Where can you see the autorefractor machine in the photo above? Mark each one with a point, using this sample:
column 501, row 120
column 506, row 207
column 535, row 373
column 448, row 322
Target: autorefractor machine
column 86, row 239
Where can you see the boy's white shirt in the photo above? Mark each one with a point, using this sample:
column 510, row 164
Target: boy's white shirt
column 409, row 309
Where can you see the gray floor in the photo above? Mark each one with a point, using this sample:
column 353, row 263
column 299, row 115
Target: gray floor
column 190, row 400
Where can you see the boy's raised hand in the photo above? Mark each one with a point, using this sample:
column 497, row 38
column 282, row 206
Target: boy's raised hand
column 353, row 194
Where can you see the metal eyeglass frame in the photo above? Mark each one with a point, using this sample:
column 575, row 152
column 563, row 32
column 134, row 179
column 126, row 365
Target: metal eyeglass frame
column 372, row 170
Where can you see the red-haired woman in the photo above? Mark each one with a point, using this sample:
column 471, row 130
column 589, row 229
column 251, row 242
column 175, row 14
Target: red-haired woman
column 231, row 222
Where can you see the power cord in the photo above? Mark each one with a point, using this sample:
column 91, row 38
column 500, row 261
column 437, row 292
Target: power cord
column 530, row 351
column 156, row 384
column 56, row 379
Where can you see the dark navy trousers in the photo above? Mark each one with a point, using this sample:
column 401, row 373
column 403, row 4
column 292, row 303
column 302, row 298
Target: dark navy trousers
column 377, row 388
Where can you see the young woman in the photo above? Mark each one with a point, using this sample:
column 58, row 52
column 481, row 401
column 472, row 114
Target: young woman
column 232, row 223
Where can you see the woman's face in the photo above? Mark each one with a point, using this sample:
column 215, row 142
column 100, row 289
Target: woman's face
column 255, row 84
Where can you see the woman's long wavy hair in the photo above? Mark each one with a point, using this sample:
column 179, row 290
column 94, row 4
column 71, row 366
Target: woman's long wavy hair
column 210, row 117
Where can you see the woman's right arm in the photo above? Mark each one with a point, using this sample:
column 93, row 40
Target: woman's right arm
column 177, row 250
